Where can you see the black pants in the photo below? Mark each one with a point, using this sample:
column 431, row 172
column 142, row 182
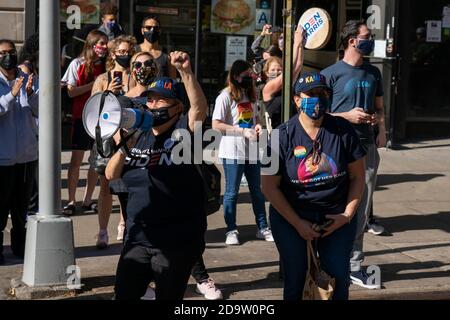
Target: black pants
column 170, row 269
column 15, row 192
column 199, row 272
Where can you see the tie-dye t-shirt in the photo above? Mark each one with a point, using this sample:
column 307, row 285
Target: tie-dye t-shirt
column 240, row 114
column 317, row 184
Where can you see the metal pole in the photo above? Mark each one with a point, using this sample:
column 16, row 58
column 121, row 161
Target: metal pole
column 288, row 27
column 49, row 248
column 198, row 34
column 50, row 110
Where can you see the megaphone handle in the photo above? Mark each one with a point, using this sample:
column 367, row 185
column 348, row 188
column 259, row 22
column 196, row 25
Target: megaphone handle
column 98, row 130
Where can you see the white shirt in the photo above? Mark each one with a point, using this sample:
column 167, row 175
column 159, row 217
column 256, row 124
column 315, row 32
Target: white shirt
column 240, row 114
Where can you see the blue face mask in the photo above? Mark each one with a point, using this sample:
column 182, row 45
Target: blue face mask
column 366, row 47
column 315, row 108
column 112, row 26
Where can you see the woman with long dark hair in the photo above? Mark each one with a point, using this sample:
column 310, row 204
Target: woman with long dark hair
column 235, row 115
column 79, row 78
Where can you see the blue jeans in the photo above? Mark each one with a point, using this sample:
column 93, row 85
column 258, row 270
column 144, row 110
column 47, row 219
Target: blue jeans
column 334, row 252
column 233, row 175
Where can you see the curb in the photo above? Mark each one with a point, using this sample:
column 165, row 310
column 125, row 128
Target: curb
column 415, row 293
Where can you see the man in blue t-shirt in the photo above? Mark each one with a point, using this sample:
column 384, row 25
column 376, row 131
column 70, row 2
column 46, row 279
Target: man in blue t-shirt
column 357, row 95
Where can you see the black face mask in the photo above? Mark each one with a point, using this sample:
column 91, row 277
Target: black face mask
column 8, row 62
column 161, row 115
column 123, row 61
column 152, row 36
column 247, row 82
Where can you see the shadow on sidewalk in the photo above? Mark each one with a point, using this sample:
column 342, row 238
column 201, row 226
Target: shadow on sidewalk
column 270, row 282
column 90, row 252
column 396, row 271
column 390, row 179
column 246, row 233
column 437, row 221
column 403, row 249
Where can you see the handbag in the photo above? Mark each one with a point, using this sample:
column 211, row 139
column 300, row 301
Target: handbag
column 318, row 284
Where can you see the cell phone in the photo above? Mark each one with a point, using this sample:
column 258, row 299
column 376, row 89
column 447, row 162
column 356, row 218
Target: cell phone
column 119, row 75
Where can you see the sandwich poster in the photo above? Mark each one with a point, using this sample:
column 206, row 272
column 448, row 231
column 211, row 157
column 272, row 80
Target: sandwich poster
column 233, row 16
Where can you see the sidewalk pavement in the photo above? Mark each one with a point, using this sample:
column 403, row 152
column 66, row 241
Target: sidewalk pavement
column 412, row 201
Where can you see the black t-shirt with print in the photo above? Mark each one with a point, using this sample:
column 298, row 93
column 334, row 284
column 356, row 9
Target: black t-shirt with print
column 322, row 188
column 166, row 200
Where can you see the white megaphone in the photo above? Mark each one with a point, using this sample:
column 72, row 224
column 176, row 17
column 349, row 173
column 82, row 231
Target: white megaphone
column 103, row 110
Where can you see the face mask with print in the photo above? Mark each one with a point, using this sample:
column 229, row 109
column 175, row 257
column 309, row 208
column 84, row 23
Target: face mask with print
column 366, row 47
column 100, row 51
column 315, row 107
column 8, row 62
column 144, row 75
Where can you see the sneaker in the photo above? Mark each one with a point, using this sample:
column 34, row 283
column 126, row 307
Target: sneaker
column 232, row 238
column 209, row 290
column 244, row 182
column 374, row 227
column 120, row 232
column 102, row 240
column 361, row 278
column 265, row 234
column 149, row 294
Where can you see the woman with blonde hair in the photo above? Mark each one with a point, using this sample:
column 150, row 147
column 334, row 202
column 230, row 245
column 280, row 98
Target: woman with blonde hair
column 119, row 81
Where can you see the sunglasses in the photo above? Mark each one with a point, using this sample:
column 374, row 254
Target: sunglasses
column 147, row 64
column 317, row 152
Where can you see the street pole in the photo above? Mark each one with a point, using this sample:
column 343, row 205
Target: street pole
column 288, row 27
column 49, row 245
column 198, row 34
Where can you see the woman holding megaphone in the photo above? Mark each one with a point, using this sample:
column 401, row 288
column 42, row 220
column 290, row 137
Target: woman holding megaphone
column 165, row 223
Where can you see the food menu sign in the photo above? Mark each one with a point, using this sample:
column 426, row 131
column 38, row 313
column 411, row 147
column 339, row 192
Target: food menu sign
column 233, row 16
column 89, row 9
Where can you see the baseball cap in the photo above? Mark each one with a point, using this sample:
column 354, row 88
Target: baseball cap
column 308, row 81
column 165, row 87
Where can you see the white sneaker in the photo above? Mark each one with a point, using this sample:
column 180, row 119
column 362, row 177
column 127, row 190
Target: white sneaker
column 374, row 227
column 232, row 238
column 102, row 239
column 209, row 290
column 120, row 232
column 149, row 294
column 265, row 234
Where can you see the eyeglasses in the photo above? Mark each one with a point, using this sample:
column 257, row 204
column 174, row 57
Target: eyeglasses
column 147, row 63
column 148, row 28
column 366, row 37
column 122, row 52
column 11, row 52
column 317, row 152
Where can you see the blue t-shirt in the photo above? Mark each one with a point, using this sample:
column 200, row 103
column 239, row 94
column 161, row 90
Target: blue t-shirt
column 166, row 201
column 317, row 189
column 355, row 87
